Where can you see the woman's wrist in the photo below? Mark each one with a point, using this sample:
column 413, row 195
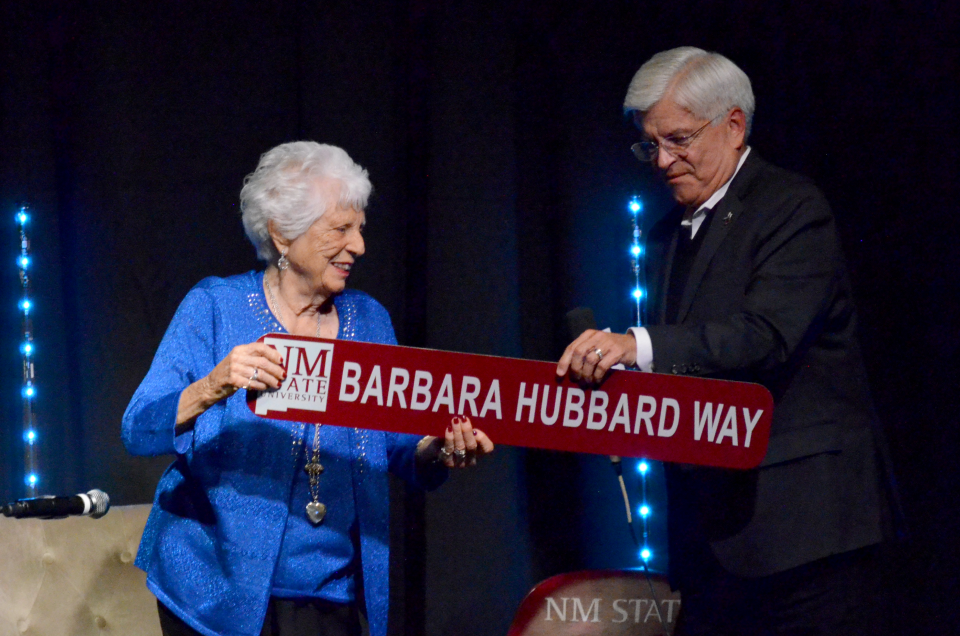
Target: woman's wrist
column 428, row 450
column 195, row 400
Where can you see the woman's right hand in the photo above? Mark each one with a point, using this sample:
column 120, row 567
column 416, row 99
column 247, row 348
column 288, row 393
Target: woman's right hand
column 255, row 366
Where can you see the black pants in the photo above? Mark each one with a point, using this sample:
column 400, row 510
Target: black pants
column 835, row 596
column 286, row 617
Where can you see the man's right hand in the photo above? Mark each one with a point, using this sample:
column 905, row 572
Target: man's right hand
column 591, row 356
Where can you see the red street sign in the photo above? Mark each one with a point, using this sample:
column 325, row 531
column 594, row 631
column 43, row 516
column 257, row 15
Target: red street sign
column 518, row 402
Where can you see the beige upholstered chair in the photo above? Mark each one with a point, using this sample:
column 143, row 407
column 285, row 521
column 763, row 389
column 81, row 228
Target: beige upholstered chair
column 75, row 577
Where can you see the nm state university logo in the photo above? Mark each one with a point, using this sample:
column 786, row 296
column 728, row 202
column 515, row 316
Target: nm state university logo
column 307, row 384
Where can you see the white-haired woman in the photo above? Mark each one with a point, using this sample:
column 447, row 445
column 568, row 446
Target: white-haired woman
column 229, row 547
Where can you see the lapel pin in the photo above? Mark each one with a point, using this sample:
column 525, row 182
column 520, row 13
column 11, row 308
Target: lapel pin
column 728, row 218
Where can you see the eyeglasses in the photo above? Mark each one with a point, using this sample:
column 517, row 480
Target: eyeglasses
column 674, row 145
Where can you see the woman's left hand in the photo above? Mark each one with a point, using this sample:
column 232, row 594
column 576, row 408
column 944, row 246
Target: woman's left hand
column 461, row 446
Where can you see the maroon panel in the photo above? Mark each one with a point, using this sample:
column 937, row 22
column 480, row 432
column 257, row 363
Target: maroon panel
column 519, row 402
column 599, row 603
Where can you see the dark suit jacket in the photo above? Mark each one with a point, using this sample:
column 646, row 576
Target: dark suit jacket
column 768, row 300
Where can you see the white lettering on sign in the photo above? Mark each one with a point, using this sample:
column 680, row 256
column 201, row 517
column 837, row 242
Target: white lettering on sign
column 350, row 382
column 646, row 407
column 373, row 390
column 573, row 412
column 750, row 423
column 597, row 417
column 469, row 391
column 549, row 420
column 307, row 383
column 399, row 379
column 420, row 399
column 571, row 400
column 704, row 419
column 445, row 395
column 418, row 390
column 624, row 610
column 644, row 610
column 665, row 405
column 621, row 417
column 419, row 393
column 528, row 402
column 578, row 613
column 492, row 401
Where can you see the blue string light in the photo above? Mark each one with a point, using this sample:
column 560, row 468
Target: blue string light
column 27, row 350
column 635, row 207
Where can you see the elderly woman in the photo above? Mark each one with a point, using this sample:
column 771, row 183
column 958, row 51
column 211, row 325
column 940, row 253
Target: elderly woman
column 241, row 539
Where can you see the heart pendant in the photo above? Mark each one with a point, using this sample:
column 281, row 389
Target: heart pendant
column 316, row 511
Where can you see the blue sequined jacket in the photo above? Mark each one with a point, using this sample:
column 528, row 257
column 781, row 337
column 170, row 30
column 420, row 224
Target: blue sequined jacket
column 214, row 534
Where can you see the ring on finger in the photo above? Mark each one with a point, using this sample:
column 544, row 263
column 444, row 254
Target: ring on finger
column 460, row 453
column 444, row 454
column 253, row 377
column 599, row 353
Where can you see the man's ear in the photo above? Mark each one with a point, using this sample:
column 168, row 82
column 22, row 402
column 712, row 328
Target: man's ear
column 279, row 240
column 736, row 124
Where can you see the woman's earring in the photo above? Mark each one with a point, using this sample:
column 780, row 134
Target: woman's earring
column 282, row 262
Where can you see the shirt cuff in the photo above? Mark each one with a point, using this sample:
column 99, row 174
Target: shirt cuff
column 644, row 348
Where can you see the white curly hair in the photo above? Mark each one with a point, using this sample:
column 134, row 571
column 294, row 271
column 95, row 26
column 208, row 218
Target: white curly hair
column 281, row 190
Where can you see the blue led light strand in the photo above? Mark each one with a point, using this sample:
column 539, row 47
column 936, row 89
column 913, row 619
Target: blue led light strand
column 27, row 351
column 635, row 207
column 636, row 253
column 644, row 468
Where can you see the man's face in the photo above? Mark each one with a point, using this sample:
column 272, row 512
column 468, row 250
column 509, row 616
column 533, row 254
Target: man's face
column 708, row 158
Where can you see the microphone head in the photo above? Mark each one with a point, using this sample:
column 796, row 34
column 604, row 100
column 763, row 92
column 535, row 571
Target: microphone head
column 579, row 320
column 616, row 462
column 99, row 503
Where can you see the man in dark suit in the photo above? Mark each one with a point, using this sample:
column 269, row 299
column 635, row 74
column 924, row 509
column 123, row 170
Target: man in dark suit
column 747, row 282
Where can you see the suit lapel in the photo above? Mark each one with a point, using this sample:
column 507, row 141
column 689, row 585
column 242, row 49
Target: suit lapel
column 661, row 257
column 726, row 214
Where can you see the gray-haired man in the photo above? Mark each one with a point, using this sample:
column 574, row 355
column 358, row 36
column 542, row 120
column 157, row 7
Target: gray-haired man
column 747, row 281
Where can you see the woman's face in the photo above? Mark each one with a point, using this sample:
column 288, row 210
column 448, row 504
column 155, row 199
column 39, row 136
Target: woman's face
column 323, row 255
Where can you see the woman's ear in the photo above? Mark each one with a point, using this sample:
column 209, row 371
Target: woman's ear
column 280, row 242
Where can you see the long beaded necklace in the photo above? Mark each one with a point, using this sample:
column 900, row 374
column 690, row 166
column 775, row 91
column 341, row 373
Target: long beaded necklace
column 316, row 511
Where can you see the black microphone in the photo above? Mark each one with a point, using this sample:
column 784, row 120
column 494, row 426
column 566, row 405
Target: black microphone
column 94, row 503
column 579, row 320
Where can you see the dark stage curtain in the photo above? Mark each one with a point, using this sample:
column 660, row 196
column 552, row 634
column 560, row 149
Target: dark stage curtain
column 493, row 134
